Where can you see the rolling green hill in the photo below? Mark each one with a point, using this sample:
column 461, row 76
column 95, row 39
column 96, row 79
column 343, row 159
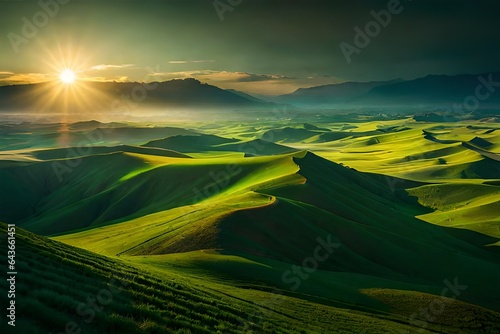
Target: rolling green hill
column 114, row 296
column 336, row 232
column 280, row 216
column 211, row 143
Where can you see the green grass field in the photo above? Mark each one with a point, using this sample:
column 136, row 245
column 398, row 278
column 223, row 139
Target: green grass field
column 262, row 227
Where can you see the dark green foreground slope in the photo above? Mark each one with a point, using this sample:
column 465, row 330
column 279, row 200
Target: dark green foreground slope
column 59, row 286
column 62, row 289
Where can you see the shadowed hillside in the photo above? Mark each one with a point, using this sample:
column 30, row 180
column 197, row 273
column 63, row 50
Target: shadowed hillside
column 108, row 96
column 279, row 215
column 114, row 297
column 211, row 143
column 240, row 216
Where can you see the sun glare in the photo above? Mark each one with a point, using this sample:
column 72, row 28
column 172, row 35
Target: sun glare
column 67, row 76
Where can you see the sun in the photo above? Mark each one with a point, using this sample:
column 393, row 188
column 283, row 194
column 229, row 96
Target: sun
column 67, row 76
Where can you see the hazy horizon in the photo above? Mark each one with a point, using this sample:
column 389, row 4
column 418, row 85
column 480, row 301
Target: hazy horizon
column 292, row 44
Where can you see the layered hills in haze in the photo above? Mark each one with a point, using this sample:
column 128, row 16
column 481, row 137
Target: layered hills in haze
column 482, row 90
column 429, row 90
column 236, row 209
column 123, row 96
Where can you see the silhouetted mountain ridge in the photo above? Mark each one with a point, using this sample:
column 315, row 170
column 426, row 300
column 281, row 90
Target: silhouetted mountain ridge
column 426, row 91
column 121, row 96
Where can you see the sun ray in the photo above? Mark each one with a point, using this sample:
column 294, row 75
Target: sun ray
column 67, row 76
column 68, row 93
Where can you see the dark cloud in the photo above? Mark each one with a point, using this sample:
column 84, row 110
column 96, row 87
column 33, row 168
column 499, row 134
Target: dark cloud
column 288, row 37
column 262, row 77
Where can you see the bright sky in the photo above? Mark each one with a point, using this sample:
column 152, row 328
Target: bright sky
column 264, row 47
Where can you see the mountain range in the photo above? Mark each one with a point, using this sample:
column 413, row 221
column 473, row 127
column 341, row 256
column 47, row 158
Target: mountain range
column 429, row 90
column 123, row 96
column 468, row 91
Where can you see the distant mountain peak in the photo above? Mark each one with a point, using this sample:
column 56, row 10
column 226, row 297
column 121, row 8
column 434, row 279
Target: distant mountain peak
column 429, row 91
column 178, row 93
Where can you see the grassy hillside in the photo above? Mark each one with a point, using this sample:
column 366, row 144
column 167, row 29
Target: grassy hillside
column 211, row 143
column 115, row 297
column 279, row 209
column 468, row 206
column 429, row 152
column 125, row 299
column 286, row 228
column 69, row 194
